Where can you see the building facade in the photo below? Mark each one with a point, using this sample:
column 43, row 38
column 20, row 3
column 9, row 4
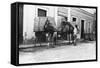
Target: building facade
column 82, row 18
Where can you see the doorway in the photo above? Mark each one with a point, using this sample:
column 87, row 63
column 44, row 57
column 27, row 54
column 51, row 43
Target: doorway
column 82, row 28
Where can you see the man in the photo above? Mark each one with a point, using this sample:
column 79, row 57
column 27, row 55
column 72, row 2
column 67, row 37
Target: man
column 54, row 37
column 75, row 34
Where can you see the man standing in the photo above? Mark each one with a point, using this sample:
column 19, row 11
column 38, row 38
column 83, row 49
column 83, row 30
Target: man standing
column 75, row 34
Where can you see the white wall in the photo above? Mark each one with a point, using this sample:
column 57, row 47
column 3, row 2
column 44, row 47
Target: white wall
column 28, row 20
column 72, row 12
column 81, row 16
column 30, row 12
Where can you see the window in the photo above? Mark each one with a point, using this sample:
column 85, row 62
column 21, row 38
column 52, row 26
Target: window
column 42, row 13
column 74, row 19
column 66, row 18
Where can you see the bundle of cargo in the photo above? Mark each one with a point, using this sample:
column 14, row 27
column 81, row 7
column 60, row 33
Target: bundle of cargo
column 39, row 23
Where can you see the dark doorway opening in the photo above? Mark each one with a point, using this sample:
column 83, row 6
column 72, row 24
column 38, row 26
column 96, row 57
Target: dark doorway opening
column 82, row 28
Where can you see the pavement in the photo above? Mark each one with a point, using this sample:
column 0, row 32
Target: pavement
column 45, row 43
column 83, row 51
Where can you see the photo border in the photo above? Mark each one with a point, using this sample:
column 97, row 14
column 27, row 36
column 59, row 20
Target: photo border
column 60, row 5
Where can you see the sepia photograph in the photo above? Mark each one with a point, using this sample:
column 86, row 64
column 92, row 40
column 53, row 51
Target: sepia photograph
column 51, row 33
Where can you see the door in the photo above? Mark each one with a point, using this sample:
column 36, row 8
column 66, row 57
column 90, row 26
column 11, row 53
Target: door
column 82, row 28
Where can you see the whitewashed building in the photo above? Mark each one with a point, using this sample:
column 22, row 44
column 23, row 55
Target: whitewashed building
column 73, row 15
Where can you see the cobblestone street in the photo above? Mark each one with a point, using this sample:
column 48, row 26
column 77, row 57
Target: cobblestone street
column 83, row 51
